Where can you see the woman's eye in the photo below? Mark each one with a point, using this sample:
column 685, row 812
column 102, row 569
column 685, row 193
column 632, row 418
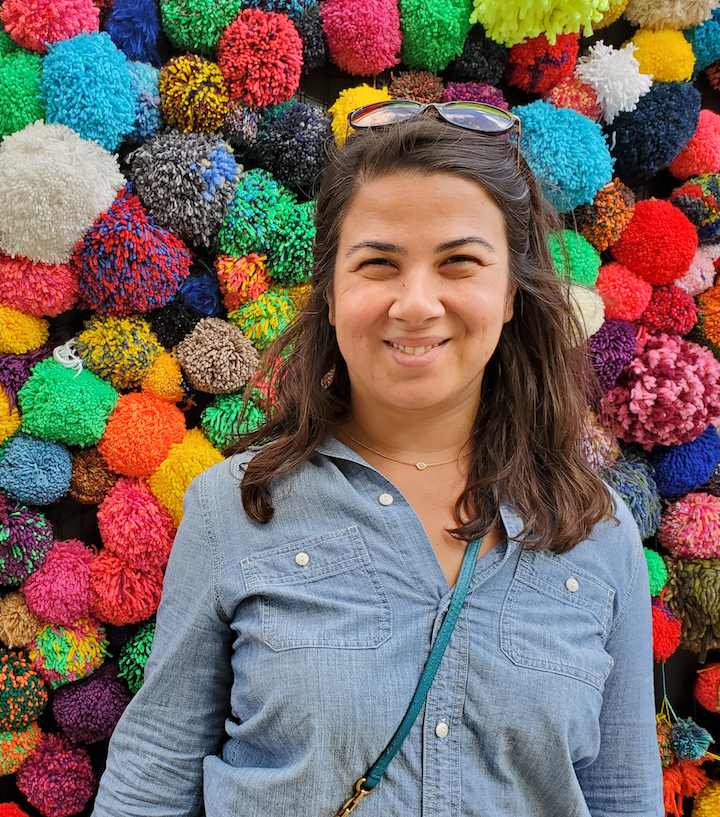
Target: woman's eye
column 461, row 259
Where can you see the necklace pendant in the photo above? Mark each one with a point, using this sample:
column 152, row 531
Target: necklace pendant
column 421, row 466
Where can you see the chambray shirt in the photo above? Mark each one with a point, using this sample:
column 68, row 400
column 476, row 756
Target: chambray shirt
column 286, row 654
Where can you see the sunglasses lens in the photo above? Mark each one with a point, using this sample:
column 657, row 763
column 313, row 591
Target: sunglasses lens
column 375, row 116
column 476, row 117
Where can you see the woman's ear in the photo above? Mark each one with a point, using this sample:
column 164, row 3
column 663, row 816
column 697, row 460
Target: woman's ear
column 330, row 301
column 510, row 303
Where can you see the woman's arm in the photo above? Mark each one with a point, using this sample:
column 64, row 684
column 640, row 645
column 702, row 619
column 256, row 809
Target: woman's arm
column 155, row 763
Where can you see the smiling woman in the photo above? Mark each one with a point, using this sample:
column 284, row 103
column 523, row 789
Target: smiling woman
column 418, row 546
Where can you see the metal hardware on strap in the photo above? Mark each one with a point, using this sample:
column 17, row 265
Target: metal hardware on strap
column 350, row 805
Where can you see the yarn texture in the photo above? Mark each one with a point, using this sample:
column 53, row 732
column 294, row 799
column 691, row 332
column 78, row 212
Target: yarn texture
column 23, row 695
column 572, row 93
column 122, row 594
column 670, row 310
column 134, row 656
column 612, row 347
column 650, row 14
column 91, row 478
column 536, row 66
column 422, row 86
column 690, row 526
column 18, row 626
column 434, row 32
column 164, row 379
column 64, row 654
column 16, row 746
column 34, row 470
column 227, row 417
column 20, row 333
column 134, row 27
column 702, row 152
column 241, row 279
column 657, row 571
column 35, row 23
column 665, row 54
column 481, row 60
column 348, row 100
column 604, row 221
column 144, row 82
column 574, row 258
column 699, row 199
column 683, row 468
column 37, row 289
column 19, row 103
column 263, row 319
column 362, row 38
column 196, row 25
column 27, row 537
column 193, row 94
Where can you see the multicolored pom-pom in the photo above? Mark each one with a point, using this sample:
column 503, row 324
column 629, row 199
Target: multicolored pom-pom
column 144, row 81
column 422, row 86
column 573, row 93
column 670, row 310
column 536, row 66
column 688, row 740
column 193, row 94
column 66, row 653
column 604, row 221
column 263, row 319
column 26, row 537
column 699, row 199
column 23, row 695
column 16, row 746
column 690, row 527
column 242, row 279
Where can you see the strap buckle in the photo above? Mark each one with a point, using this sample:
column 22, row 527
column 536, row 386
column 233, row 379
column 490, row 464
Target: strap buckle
column 352, row 802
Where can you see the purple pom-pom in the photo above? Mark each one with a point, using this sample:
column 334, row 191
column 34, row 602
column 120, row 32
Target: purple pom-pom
column 612, row 347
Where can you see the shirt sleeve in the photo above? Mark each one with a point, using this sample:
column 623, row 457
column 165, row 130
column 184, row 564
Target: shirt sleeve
column 626, row 776
column 156, row 753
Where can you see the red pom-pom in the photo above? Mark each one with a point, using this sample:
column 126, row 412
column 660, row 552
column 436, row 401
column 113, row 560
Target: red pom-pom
column 670, row 310
column 536, row 66
column 707, row 687
column 36, row 23
column 625, row 295
column 122, row 594
column 362, row 38
column 573, row 93
column 11, row 810
column 666, row 631
column 260, row 56
column 702, row 152
column 37, row 289
column 659, row 244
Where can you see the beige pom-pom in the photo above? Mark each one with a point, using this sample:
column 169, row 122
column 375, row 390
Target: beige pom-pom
column 18, row 626
column 589, row 309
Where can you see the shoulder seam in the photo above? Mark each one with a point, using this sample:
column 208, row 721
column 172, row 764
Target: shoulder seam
column 628, row 595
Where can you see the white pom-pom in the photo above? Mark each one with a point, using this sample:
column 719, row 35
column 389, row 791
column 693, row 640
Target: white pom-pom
column 53, row 185
column 614, row 75
column 678, row 14
column 589, row 309
column 701, row 274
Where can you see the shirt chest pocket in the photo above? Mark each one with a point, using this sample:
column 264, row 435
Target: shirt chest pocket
column 556, row 618
column 322, row 591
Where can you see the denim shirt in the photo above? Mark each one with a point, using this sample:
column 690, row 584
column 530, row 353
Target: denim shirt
column 286, row 654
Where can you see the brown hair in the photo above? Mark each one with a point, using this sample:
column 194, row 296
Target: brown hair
column 528, row 428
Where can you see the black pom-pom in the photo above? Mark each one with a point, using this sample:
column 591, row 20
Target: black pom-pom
column 310, row 30
column 481, row 60
column 173, row 322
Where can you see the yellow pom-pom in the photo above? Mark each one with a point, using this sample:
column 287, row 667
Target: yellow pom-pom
column 9, row 418
column 164, row 379
column 665, row 54
column 20, row 333
column 348, row 100
column 184, row 462
column 614, row 12
column 707, row 802
column 300, row 294
column 193, row 94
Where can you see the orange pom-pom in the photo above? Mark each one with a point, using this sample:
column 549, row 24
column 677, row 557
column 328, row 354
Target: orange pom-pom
column 667, row 631
column 624, row 294
column 707, row 687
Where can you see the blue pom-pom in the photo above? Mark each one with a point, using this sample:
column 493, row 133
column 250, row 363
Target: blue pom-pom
column 87, row 86
column 633, row 478
column 688, row 740
column 309, row 26
column 705, row 42
column 682, row 468
column 35, row 471
column 134, row 26
column 148, row 120
column 201, row 291
column 650, row 137
column 566, row 151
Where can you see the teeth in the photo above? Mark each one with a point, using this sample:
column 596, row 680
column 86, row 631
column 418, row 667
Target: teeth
column 413, row 350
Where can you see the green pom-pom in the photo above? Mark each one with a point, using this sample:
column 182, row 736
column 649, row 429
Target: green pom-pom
column 23, row 695
column 19, row 101
column 657, row 571
column 263, row 319
column 61, row 405
column 289, row 251
column 250, row 220
column 434, row 32
column 134, row 656
column 223, row 420
column 7, row 44
column 196, row 25
column 574, row 257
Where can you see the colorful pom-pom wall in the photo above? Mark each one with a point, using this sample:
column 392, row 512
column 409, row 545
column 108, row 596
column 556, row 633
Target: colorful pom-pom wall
column 158, row 161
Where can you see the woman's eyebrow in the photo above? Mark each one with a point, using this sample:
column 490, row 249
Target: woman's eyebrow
column 458, row 242
column 375, row 245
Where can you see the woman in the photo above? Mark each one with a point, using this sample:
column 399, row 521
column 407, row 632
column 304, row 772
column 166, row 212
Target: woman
column 433, row 398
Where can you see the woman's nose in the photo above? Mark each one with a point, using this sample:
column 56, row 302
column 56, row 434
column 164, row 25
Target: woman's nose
column 417, row 298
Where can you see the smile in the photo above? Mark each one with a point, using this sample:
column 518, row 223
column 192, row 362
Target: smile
column 415, row 350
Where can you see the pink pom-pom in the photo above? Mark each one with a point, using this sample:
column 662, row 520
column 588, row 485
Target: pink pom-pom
column 668, row 394
column 59, row 591
column 573, row 93
column 37, row 289
column 35, row 24
column 670, row 310
column 58, row 777
column 134, row 525
column 122, row 594
column 702, row 152
column 690, row 527
column 362, row 38
column 624, row 294
column 701, row 274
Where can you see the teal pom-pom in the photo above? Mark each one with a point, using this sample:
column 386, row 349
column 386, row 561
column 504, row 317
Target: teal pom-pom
column 689, row 741
column 19, row 101
column 144, row 85
column 289, row 250
column 249, row 221
column 705, row 41
column 574, row 257
column 35, row 471
column 434, row 32
column 224, row 419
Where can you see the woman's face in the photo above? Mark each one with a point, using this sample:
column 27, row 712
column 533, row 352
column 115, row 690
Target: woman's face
column 421, row 290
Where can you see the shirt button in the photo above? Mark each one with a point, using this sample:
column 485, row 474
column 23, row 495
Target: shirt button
column 572, row 585
column 386, row 499
column 442, row 729
column 302, row 559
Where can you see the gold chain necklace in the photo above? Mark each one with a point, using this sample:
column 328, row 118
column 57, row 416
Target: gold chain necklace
column 420, row 465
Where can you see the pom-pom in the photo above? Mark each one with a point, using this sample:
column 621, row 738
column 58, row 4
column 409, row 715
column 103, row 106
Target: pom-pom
column 668, row 394
column 362, row 38
column 260, row 56
column 164, row 379
column 657, row 571
column 707, row 801
column 53, row 185
column 174, row 321
column 65, row 405
column 692, row 594
column 699, row 200
column 25, row 541
column 196, row 25
column 434, row 32
column 709, row 302
column 20, row 333
column 263, row 319
column 9, row 417
column 649, row 137
column 707, row 690
column 85, row 84
column 589, row 309
column 612, row 347
column 574, row 258
column 667, row 631
column 7, row 44
column 58, row 778
column 19, row 102
column 35, row 471
column 127, row 263
column 598, row 444
column 632, row 477
column 134, row 656
column 292, row 8
column 64, row 654
column 535, row 65
column 193, row 94
column 705, row 41
column 481, row 60
column 88, row 710
column 603, row 222
column 36, row 289
column 242, row 279
column 670, row 310
column 702, row 152
column 476, row 91
column 123, row 594
column 36, row 23
column 575, row 94
column 701, row 274
column 91, row 478
column 566, row 151
column 659, row 244
column 683, row 468
column 18, row 626
column 15, row 370
column 144, row 82
column 654, row 14
column 688, row 740
column 59, row 591
column 422, row 86
column 119, row 349
column 139, row 434
column 134, row 526
column 216, row 357
column 224, row 419
column 614, row 12
column 664, row 54
column 134, row 27
column 290, row 245
column 184, row 462
column 201, row 291
column 22, row 693
column 186, row 181
column 309, row 27
column 615, row 76
column 690, row 527
column 348, row 100
column 15, row 748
